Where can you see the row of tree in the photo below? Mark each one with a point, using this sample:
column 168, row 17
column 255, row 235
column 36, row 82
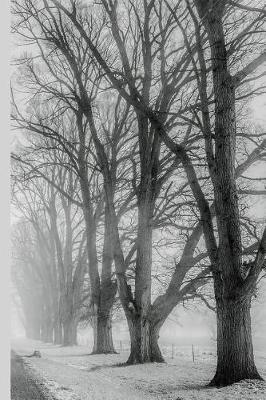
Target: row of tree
column 134, row 170
column 49, row 261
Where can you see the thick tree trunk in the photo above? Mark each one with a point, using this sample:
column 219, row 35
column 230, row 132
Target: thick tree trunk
column 70, row 332
column 144, row 345
column 139, row 324
column 235, row 359
column 104, row 332
column 103, row 338
column 47, row 331
column 155, row 352
column 139, row 341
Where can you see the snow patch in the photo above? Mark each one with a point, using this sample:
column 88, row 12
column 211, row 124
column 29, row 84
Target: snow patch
column 60, row 392
column 104, row 377
column 55, row 390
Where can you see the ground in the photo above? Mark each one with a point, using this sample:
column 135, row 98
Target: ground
column 70, row 373
column 24, row 383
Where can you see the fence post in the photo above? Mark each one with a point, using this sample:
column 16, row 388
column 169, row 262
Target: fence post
column 172, row 351
column 121, row 347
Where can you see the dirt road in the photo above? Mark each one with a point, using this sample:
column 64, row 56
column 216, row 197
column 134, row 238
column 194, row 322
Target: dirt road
column 24, row 384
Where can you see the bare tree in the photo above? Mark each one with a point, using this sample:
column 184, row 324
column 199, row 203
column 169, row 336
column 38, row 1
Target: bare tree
column 233, row 288
column 139, row 99
column 60, row 249
column 27, row 283
column 185, row 120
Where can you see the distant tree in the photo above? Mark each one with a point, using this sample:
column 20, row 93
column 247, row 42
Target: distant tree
column 26, row 282
column 59, row 258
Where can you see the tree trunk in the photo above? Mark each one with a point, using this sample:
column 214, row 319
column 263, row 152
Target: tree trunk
column 144, row 342
column 139, row 341
column 70, row 332
column 156, row 355
column 139, row 324
column 47, row 331
column 235, row 359
column 103, row 338
column 58, row 332
column 43, row 331
column 49, row 337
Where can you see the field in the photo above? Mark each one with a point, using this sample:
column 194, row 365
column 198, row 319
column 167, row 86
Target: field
column 71, row 373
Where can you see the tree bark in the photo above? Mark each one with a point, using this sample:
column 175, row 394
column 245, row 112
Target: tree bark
column 139, row 324
column 139, row 341
column 144, row 345
column 70, row 332
column 155, row 351
column 47, row 331
column 235, row 360
column 103, row 338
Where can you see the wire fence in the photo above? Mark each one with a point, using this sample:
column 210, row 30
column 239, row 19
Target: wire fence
column 172, row 351
column 169, row 351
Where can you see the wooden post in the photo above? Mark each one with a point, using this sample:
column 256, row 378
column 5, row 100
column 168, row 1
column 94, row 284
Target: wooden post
column 121, row 347
column 172, row 351
column 193, row 354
